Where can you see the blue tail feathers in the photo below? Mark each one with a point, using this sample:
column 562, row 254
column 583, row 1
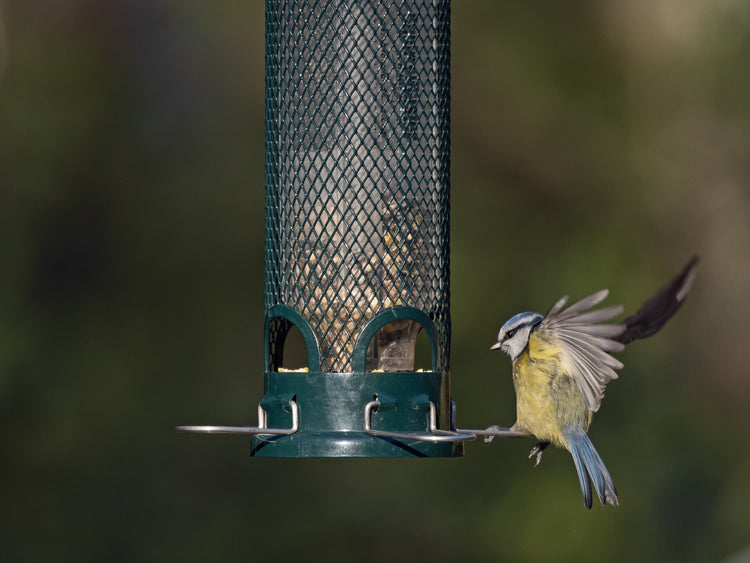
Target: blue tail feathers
column 590, row 469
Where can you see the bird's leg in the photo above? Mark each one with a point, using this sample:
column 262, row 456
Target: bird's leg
column 538, row 450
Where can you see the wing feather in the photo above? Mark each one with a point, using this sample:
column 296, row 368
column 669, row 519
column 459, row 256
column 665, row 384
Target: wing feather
column 585, row 303
column 586, row 343
column 557, row 306
column 597, row 316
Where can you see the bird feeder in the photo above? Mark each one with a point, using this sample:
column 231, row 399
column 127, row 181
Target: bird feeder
column 356, row 230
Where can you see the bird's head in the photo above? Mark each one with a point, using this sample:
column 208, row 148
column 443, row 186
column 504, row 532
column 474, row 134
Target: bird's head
column 514, row 334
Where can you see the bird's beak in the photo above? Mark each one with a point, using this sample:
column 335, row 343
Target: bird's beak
column 496, row 346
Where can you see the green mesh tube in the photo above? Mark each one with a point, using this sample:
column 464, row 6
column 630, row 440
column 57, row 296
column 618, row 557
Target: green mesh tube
column 357, row 157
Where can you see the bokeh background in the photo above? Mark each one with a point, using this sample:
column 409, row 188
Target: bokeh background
column 594, row 144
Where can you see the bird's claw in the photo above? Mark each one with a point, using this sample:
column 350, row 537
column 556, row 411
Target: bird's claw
column 537, row 451
column 495, row 427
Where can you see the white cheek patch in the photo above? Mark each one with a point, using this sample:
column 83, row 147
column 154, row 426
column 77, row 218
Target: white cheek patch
column 517, row 344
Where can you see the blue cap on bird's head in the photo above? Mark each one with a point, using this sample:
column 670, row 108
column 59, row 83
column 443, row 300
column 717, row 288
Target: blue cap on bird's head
column 514, row 334
column 521, row 319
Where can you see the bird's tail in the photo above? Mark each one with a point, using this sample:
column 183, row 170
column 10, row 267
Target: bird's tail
column 591, row 469
column 661, row 306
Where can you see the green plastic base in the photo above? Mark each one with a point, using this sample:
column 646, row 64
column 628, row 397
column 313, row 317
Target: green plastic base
column 332, row 414
column 348, row 444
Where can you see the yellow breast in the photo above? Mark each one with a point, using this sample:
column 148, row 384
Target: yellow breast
column 547, row 398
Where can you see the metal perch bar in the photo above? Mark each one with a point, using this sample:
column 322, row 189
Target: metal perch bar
column 260, row 429
column 435, row 435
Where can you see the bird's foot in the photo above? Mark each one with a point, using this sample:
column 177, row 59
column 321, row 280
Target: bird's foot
column 537, row 451
column 496, row 428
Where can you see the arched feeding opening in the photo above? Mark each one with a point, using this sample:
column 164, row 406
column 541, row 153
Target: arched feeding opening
column 295, row 352
column 394, row 348
column 281, row 323
column 389, row 340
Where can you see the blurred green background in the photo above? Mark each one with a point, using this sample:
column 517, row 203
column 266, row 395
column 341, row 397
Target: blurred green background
column 594, row 144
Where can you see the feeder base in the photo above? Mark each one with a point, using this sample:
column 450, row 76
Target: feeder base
column 332, row 409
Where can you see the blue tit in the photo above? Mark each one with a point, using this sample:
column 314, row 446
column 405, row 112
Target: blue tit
column 562, row 363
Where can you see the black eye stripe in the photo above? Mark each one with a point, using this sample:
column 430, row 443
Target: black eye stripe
column 511, row 333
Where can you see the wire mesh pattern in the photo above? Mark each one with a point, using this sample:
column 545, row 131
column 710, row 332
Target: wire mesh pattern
column 357, row 166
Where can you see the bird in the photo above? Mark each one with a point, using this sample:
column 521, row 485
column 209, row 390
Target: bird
column 562, row 362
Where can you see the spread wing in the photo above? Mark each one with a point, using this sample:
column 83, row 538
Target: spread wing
column 585, row 342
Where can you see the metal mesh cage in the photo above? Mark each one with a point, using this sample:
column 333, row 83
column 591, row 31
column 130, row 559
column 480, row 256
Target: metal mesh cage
column 357, row 157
